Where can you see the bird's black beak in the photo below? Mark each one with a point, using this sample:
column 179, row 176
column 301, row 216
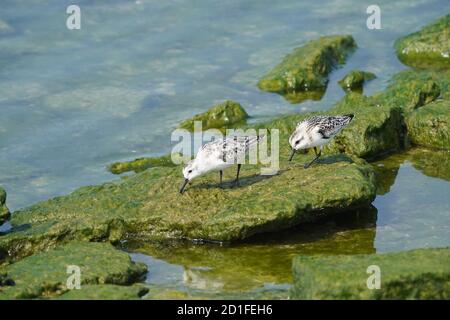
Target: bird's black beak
column 185, row 182
column 292, row 155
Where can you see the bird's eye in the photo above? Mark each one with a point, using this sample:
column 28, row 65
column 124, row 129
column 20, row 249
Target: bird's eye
column 297, row 142
column 190, row 171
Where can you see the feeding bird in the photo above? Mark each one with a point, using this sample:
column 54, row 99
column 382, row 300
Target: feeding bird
column 315, row 132
column 218, row 155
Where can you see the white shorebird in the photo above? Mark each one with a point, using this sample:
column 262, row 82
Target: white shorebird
column 315, row 132
column 218, row 155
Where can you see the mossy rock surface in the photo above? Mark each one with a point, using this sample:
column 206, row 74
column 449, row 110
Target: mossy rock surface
column 307, row 67
column 105, row 292
column 416, row 274
column 221, row 116
column 44, row 275
column 355, row 79
column 141, row 164
column 427, row 48
column 429, row 126
column 4, row 212
column 379, row 125
column 149, row 205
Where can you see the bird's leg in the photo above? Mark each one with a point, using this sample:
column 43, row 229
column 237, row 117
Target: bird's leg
column 315, row 159
column 221, row 176
column 237, row 175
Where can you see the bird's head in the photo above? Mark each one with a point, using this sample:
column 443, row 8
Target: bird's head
column 190, row 171
column 297, row 142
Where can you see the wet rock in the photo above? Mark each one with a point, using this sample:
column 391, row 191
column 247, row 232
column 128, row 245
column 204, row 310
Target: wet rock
column 416, row 274
column 379, row 125
column 307, row 67
column 355, row 79
column 427, row 48
column 376, row 129
column 429, row 126
column 148, row 205
column 44, row 275
column 105, row 292
column 4, row 212
column 222, row 115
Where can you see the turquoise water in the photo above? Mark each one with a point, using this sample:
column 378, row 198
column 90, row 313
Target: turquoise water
column 71, row 102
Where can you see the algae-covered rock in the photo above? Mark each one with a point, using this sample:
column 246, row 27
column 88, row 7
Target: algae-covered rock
column 428, row 47
column 149, row 205
column 376, row 129
column 413, row 89
column 355, row 79
column 4, row 212
column 141, row 164
column 429, row 126
column 45, row 274
column 307, row 67
column 105, row 292
column 416, row 274
column 379, row 126
column 222, row 115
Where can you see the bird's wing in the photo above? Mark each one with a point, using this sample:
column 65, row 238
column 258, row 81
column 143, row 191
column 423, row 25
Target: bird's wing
column 229, row 149
column 330, row 126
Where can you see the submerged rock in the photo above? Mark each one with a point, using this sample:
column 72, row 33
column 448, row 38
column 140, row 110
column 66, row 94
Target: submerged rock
column 355, row 79
column 222, row 115
column 5, row 27
column 307, row 67
column 4, row 212
column 416, row 274
column 148, row 205
column 427, row 47
column 429, row 126
column 44, row 275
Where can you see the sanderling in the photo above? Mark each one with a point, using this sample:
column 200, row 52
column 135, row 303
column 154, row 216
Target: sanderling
column 218, row 155
column 316, row 131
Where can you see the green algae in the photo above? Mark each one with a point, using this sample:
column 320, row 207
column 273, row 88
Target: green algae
column 429, row 126
column 44, row 275
column 4, row 212
column 416, row 274
column 222, row 115
column 141, row 164
column 105, row 292
column 427, row 48
column 148, row 205
column 307, row 67
column 355, row 79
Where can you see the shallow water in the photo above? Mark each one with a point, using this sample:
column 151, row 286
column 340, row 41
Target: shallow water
column 74, row 101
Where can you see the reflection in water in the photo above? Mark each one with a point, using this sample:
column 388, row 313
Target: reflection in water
column 301, row 96
column 415, row 213
column 432, row 163
column 261, row 262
